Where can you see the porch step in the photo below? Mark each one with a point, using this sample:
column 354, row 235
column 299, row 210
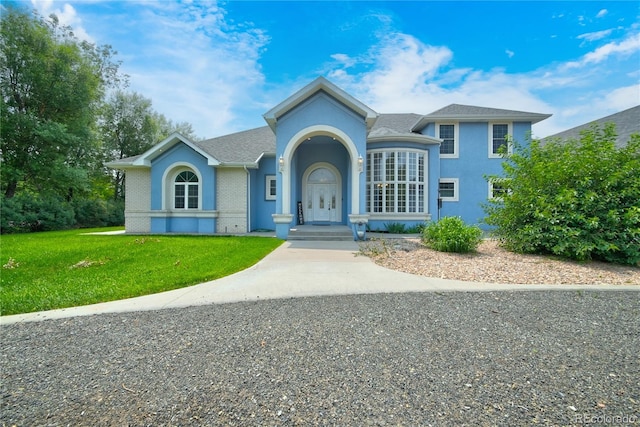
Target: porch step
column 321, row 232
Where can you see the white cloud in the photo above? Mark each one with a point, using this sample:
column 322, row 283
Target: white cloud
column 626, row 47
column 509, row 53
column 602, row 13
column 406, row 75
column 66, row 15
column 596, row 35
column 187, row 58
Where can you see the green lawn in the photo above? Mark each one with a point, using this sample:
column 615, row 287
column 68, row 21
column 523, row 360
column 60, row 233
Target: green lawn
column 43, row 271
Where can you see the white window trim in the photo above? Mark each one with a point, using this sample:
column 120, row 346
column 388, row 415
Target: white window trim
column 493, row 155
column 186, row 191
column 425, row 183
column 268, row 179
column 168, row 183
column 456, row 139
column 490, row 192
column 456, row 189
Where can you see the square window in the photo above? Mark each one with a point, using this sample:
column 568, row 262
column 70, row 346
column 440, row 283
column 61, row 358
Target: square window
column 497, row 189
column 448, row 189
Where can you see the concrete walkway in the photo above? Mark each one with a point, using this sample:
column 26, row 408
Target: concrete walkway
column 295, row 269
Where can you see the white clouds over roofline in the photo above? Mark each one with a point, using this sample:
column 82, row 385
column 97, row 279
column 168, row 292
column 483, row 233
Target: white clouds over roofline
column 403, row 74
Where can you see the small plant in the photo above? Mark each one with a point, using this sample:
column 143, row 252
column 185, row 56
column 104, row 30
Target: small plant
column 374, row 247
column 451, row 234
column 395, row 227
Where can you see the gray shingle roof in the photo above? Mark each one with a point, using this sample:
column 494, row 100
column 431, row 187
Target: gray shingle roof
column 241, row 147
column 460, row 112
column 247, row 147
column 627, row 122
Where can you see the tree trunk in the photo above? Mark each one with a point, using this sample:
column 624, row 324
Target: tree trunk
column 11, row 189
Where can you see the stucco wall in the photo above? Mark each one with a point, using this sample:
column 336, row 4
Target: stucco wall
column 261, row 208
column 231, row 188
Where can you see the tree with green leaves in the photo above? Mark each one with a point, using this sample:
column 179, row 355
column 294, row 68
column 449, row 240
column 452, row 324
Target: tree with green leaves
column 129, row 126
column 578, row 199
column 52, row 86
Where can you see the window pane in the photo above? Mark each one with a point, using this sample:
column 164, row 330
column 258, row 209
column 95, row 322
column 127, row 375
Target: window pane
column 272, row 187
column 179, row 196
column 187, row 176
column 402, row 197
column 402, row 166
column 412, row 197
column 499, row 136
column 390, row 167
column 420, row 198
column 413, row 166
column 447, row 189
column 377, row 198
column 377, row 166
column 390, row 200
column 448, row 142
column 193, row 197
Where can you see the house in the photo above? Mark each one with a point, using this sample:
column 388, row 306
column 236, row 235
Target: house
column 323, row 158
column 627, row 123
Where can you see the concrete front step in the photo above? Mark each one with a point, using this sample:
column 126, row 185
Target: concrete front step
column 328, row 233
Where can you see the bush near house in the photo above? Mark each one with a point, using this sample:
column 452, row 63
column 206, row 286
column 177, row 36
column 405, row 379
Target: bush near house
column 451, row 234
column 578, row 199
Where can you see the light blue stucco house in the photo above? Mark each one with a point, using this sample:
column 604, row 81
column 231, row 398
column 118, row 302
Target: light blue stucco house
column 324, row 158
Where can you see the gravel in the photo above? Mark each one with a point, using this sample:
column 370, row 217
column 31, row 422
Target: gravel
column 486, row 358
column 493, row 264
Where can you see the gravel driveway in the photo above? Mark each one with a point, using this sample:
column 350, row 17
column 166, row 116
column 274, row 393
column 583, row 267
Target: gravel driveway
column 495, row 358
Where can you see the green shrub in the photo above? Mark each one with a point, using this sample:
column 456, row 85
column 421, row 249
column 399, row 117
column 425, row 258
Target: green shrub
column 395, row 227
column 578, row 199
column 29, row 212
column 451, row 234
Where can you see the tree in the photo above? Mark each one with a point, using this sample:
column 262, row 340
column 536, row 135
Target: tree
column 51, row 89
column 129, row 126
column 577, row 198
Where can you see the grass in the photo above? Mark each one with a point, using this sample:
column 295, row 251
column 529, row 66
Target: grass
column 44, row 271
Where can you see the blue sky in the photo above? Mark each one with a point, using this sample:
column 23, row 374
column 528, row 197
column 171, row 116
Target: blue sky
column 220, row 66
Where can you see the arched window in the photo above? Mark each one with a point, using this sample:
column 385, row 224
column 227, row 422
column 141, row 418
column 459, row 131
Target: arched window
column 185, row 191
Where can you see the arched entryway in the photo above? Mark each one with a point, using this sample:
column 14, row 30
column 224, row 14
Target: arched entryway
column 322, row 193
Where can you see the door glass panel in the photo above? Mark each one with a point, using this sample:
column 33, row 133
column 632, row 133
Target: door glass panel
column 321, row 199
column 322, row 176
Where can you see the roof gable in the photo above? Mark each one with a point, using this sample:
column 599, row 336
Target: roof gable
column 319, row 84
column 470, row 113
column 144, row 159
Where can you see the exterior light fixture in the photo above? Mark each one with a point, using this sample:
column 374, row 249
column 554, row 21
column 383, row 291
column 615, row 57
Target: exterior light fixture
column 360, row 163
column 281, row 163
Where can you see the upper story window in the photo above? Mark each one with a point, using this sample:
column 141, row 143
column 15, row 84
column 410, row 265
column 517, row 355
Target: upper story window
column 396, row 181
column 499, row 137
column 448, row 133
column 185, row 191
